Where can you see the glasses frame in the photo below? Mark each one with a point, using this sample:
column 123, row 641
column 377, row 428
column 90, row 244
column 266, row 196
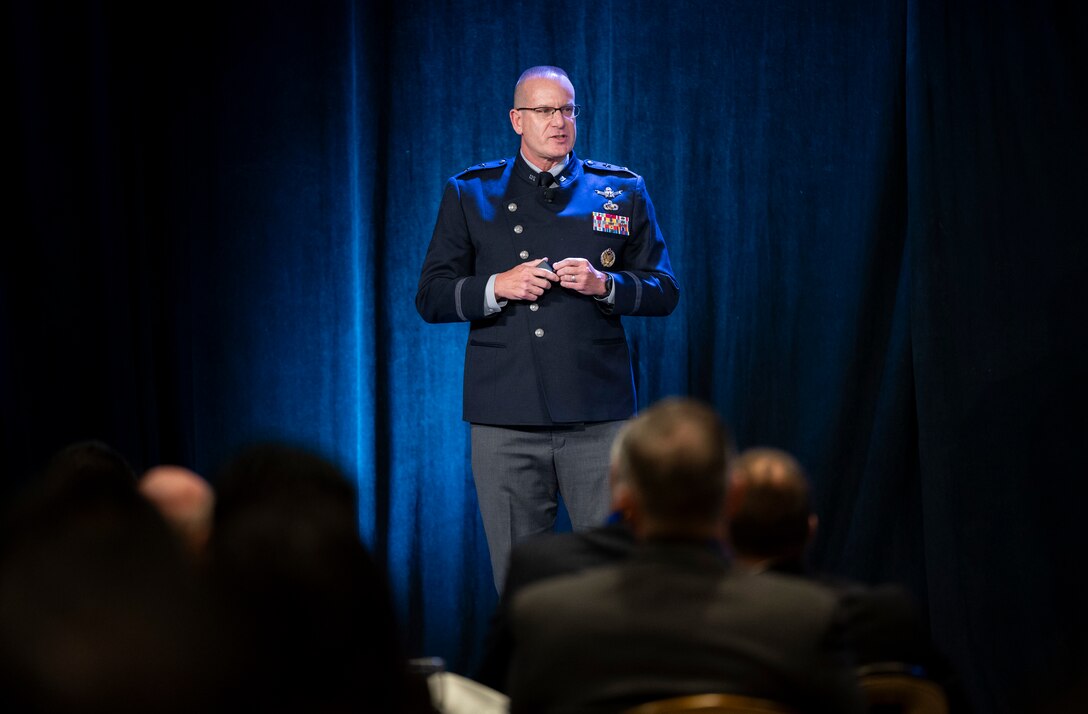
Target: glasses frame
column 575, row 110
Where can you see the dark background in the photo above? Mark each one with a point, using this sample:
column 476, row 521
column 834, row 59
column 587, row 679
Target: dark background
column 216, row 218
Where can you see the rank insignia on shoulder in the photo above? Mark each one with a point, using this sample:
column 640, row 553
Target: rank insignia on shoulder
column 609, row 168
column 611, row 223
column 608, row 194
column 485, row 165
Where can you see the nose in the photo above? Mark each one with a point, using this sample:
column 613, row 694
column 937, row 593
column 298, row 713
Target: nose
column 558, row 120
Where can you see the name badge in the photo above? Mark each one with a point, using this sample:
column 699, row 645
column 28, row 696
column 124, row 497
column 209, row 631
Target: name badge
column 611, row 223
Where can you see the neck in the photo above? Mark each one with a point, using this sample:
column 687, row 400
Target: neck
column 650, row 530
column 541, row 164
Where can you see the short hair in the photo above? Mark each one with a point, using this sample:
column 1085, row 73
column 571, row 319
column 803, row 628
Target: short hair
column 543, row 71
column 769, row 504
column 90, row 469
column 675, row 455
column 80, row 477
column 311, row 607
column 283, row 476
column 615, row 452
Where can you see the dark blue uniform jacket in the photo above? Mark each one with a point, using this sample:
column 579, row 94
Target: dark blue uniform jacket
column 563, row 359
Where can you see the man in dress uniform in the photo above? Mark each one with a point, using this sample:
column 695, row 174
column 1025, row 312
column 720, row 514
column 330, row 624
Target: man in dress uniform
column 541, row 254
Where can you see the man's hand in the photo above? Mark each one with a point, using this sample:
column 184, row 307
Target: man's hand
column 524, row 282
column 579, row 275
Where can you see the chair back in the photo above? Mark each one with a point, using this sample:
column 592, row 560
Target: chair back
column 909, row 693
column 711, row 704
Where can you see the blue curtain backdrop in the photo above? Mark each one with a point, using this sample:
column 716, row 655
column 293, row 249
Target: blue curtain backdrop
column 875, row 211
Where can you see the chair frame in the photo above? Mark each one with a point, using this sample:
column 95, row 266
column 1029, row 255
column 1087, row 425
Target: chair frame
column 711, row 704
column 897, row 685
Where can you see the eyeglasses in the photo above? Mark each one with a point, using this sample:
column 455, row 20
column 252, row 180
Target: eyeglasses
column 570, row 111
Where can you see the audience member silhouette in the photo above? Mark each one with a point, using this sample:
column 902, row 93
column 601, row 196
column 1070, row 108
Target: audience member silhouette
column 102, row 611
column 769, row 511
column 771, row 524
column 307, row 601
column 98, row 610
column 675, row 618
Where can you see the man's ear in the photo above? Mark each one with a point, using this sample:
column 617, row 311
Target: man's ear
column 515, row 121
column 624, row 501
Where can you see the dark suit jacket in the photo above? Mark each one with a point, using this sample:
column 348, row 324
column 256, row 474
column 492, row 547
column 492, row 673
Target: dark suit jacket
column 675, row 619
column 538, row 558
column 564, row 357
column 885, row 626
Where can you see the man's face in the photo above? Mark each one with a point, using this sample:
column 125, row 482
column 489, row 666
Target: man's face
column 546, row 140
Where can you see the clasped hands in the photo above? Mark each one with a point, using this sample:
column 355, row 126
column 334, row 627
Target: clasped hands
column 528, row 282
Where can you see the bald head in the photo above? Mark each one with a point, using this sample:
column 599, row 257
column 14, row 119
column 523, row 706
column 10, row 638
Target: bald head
column 540, row 72
column 770, row 510
column 184, row 499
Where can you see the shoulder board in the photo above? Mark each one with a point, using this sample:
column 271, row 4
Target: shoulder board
column 610, row 168
column 497, row 164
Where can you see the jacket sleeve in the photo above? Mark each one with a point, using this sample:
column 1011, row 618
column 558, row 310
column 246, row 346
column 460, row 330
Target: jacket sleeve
column 645, row 284
column 449, row 290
